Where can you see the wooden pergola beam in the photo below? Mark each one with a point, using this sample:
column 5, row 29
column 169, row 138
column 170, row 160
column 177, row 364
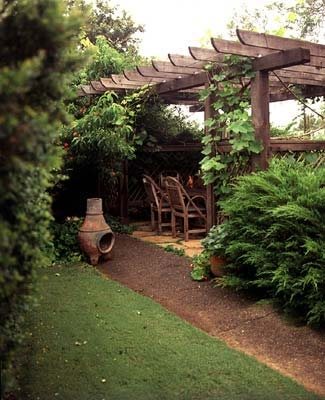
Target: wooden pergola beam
column 272, row 42
column 283, row 145
column 276, row 145
column 166, row 66
column 97, row 85
column 133, row 75
column 231, row 47
column 208, row 55
column 188, row 82
column 240, row 49
column 121, row 80
column 298, row 78
column 278, row 43
column 89, row 90
column 281, row 59
column 185, row 61
column 152, row 72
column 108, row 83
column 175, row 147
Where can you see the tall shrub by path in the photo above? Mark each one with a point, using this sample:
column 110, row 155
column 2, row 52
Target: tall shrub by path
column 274, row 238
column 37, row 42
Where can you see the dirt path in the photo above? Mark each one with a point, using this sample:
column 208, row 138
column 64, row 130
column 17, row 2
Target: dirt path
column 298, row 352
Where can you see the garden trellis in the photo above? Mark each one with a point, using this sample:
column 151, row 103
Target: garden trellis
column 279, row 64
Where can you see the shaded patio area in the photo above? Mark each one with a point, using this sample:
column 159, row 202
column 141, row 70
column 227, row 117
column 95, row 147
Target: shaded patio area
column 143, row 232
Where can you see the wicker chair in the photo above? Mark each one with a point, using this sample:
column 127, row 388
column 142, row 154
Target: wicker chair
column 185, row 207
column 158, row 203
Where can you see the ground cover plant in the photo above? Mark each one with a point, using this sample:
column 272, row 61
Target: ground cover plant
column 274, row 237
column 64, row 244
column 102, row 340
column 172, row 249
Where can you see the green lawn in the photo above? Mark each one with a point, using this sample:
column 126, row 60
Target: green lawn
column 91, row 338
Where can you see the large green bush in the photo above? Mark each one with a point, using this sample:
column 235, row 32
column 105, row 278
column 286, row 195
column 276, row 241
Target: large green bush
column 36, row 49
column 274, row 238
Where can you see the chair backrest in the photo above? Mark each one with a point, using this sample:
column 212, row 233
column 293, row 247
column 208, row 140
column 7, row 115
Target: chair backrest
column 163, row 176
column 176, row 193
column 152, row 189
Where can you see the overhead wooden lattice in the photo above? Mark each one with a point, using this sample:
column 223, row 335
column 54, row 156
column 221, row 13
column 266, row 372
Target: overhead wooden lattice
column 178, row 80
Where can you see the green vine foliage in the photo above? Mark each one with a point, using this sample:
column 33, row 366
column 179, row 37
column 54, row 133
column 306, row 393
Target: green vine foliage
column 229, row 92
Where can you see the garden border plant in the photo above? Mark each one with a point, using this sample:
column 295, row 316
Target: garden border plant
column 274, row 241
column 38, row 54
column 273, row 236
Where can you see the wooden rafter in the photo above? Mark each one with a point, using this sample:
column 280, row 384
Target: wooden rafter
column 97, row 85
column 240, row 49
column 121, row 80
column 88, row 90
column 188, row 82
column 208, row 55
column 185, row 61
column 186, row 73
column 133, row 75
column 166, row 66
column 108, row 83
column 152, row 72
column 271, row 42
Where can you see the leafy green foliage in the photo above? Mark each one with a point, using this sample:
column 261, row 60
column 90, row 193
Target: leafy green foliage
column 201, row 267
column 172, row 249
column 274, row 238
column 160, row 124
column 117, row 226
column 300, row 18
column 37, row 42
column 230, row 100
column 101, row 138
column 212, row 246
column 104, row 60
column 65, row 244
column 108, row 21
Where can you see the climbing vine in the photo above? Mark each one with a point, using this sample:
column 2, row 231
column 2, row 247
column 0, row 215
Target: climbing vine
column 229, row 94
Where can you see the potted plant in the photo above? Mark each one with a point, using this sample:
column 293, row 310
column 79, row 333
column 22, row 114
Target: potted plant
column 213, row 246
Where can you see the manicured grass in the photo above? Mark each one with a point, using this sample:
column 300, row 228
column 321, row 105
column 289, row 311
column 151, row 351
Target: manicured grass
column 91, row 338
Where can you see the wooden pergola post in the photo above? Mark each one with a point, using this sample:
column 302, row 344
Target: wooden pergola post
column 124, row 193
column 261, row 116
column 211, row 207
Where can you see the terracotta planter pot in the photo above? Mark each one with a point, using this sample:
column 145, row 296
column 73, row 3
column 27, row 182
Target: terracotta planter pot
column 216, row 264
column 95, row 237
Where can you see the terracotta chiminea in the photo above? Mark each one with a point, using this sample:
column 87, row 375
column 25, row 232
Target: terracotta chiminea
column 95, row 236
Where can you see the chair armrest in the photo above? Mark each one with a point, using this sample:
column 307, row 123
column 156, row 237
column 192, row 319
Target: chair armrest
column 191, row 202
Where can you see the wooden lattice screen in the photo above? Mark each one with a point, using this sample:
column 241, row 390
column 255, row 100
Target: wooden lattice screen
column 315, row 158
column 183, row 164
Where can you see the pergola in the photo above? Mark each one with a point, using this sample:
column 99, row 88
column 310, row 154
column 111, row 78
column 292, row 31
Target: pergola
column 280, row 63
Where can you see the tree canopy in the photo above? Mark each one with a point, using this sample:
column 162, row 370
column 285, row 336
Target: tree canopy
column 298, row 18
column 108, row 21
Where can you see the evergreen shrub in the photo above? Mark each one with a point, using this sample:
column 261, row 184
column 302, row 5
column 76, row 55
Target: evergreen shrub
column 36, row 50
column 274, row 238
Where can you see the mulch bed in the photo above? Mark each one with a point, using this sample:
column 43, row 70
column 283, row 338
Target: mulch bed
column 257, row 330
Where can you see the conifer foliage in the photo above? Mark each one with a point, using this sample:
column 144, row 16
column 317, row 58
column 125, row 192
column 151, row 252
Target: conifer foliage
column 274, row 238
column 37, row 42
